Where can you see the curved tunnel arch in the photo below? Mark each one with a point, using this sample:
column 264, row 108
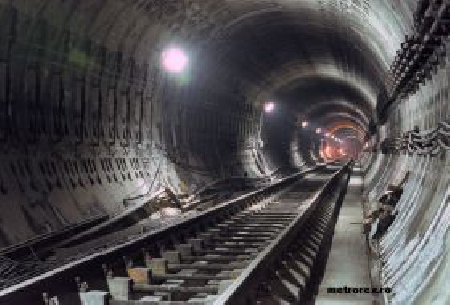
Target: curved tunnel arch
column 83, row 84
column 112, row 27
column 120, row 44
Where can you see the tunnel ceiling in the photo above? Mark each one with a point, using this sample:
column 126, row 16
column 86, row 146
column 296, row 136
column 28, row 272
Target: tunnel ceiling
column 315, row 57
column 326, row 60
column 321, row 58
column 313, row 97
column 92, row 121
column 86, row 101
column 321, row 50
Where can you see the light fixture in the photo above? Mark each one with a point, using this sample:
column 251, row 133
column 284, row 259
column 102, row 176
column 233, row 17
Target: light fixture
column 174, row 60
column 328, row 135
column 269, row 107
column 304, row 124
column 318, row 130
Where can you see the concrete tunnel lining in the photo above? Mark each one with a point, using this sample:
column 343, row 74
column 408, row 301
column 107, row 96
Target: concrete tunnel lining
column 89, row 118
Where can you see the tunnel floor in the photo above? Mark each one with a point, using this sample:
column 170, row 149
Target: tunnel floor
column 348, row 262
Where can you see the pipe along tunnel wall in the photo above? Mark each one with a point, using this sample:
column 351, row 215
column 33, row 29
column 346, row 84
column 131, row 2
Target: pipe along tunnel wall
column 89, row 118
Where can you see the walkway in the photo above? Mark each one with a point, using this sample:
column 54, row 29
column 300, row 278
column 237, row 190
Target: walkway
column 348, row 263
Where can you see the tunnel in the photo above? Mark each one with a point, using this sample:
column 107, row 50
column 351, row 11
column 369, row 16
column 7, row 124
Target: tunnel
column 128, row 125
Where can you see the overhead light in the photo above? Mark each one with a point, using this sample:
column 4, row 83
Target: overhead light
column 305, row 124
column 174, row 60
column 318, row 130
column 328, row 135
column 269, row 107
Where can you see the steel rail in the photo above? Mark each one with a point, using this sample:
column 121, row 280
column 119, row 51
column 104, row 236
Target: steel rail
column 239, row 292
column 61, row 280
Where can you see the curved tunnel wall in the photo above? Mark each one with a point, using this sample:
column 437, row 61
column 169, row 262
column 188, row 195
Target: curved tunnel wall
column 416, row 248
column 89, row 118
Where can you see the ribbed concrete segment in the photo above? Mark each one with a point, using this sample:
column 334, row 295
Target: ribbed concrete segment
column 347, row 264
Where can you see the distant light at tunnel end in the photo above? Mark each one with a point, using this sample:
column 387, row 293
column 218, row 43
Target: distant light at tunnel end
column 174, row 60
column 318, row 130
column 304, row 124
column 269, row 107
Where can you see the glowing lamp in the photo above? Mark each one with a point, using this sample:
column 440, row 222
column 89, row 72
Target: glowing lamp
column 174, row 60
column 269, row 107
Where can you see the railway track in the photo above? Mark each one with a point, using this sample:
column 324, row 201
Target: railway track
column 266, row 247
